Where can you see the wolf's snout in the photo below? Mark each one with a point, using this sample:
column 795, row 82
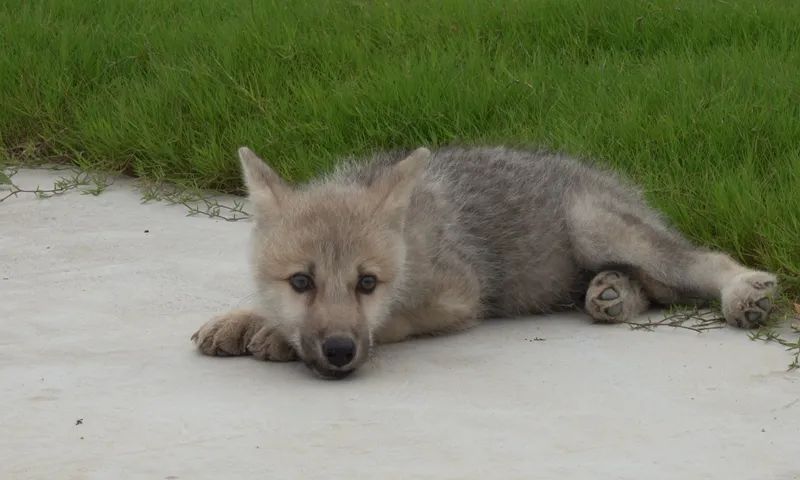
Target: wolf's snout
column 339, row 350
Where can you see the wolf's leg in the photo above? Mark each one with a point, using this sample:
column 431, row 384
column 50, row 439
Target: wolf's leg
column 243, row 332
column 604, row 232
column 615, row 297
column 452, row 303
column 630, row 294
column 430, row 320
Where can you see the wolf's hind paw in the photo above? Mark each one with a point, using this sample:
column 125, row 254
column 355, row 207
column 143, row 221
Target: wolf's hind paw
column 612, row 297
column 747, row 301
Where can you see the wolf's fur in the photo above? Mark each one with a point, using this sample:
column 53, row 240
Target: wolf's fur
column 457, row 236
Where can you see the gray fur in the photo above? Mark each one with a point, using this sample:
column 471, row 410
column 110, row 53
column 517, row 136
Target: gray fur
column 507, row 214
column 463, row 234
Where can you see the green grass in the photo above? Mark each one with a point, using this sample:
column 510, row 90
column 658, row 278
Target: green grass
column 697, row 100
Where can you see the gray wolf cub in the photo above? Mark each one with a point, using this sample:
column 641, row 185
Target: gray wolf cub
column 417, row 243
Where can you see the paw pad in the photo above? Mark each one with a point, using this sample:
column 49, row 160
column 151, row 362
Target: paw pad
column 609, row 294
column 764, row 304
column 747, row 300
column 753, row 317
column 613, row 297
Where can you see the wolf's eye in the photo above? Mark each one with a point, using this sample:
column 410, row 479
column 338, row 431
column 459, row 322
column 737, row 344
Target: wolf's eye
column 301, row 282
column 367, row 283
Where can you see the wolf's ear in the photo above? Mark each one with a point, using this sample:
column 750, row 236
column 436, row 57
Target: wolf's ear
column 397, row 186
column 265, row 188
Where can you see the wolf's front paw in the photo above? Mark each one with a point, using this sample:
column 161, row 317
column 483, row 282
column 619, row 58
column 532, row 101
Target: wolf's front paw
column 613, row 297
column 747, row 300
column 229, row 334
column 269, row 344
column 243, row 332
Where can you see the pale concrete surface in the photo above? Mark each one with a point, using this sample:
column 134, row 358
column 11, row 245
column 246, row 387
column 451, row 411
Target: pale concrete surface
column 95, row 318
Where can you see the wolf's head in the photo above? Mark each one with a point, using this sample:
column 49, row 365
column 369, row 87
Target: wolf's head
column 329, row 257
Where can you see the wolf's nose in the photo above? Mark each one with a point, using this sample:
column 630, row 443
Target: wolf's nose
column 339, row 350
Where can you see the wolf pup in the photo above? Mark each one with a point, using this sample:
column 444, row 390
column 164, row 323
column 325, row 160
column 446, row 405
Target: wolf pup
column 421, row 243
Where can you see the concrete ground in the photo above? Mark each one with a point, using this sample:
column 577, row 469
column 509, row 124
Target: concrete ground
column 98, row 378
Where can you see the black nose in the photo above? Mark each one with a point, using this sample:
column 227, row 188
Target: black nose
column 339, row 350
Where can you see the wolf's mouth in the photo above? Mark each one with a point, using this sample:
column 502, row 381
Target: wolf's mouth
column 328, row 373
